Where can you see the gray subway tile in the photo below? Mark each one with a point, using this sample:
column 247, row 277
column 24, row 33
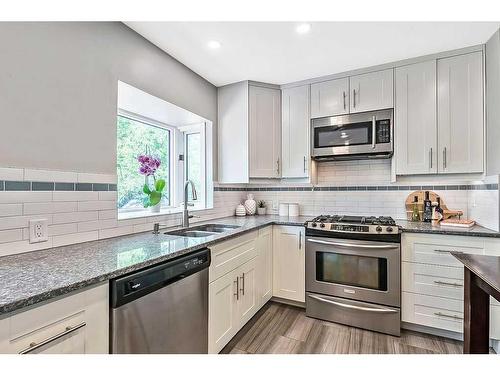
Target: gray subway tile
column 1, row 185
column 17, row 185
column 64, row 186
column 452, row 187
column 100, row 187
column 42, row 186
column 83, row 187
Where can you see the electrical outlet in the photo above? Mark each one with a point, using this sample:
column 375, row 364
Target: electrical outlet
column 38, row 230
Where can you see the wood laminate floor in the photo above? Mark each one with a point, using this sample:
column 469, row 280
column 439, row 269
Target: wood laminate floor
column 279, row 328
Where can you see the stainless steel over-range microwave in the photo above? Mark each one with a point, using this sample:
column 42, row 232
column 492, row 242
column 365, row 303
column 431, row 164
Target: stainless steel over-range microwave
column 355, row 136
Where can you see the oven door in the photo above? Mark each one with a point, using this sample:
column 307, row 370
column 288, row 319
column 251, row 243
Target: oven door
column 363, row 133
column 366, row 271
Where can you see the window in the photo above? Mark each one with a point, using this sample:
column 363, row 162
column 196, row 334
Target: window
column 134, row 138
column 180, row 139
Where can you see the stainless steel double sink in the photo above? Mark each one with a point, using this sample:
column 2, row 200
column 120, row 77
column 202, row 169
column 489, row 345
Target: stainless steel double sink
column 204, row 230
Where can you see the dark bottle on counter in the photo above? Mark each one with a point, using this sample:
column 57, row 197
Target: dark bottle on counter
column 427, row 208
column 438, row 210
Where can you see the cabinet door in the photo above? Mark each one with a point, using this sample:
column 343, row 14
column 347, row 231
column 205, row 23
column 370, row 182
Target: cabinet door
column 330, row 98
column 222, row 311
column 265, row 265
column 460, row 113
column 415, row 119
column 371, row 91
column 264, row 132
column 295, row 132
column 247, row 298
column 289, row 263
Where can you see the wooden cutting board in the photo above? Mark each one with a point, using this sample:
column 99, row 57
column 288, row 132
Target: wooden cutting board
column 447, row 213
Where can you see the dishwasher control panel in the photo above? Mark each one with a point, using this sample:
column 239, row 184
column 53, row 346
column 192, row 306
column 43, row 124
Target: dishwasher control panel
column 127, row 288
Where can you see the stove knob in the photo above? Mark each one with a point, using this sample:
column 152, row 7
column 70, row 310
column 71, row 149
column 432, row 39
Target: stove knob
column 314, row 225
column 322, row 225
column 389, row 229
column 379, row 229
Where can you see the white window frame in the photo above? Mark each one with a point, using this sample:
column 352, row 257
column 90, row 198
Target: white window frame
column 172, row 159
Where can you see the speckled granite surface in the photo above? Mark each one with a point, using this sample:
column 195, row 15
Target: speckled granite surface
column 29, row 278
column 37, row 276
column 475, row 231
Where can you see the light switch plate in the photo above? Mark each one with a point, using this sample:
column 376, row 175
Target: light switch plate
column 38, row 230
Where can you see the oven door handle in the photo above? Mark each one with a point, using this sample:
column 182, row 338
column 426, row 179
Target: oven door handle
column 324, row 242
column 347, row 306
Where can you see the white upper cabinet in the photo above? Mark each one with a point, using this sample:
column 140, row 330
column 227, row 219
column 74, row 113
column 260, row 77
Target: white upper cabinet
column 415, row 119
column 249, row 132
column 295, row 132
column 330, row 98
column 460, row 113
column 371, row 91
column 264, row 132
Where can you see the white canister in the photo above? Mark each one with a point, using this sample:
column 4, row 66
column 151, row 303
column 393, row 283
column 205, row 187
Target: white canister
column 283, row 209
column 240, row 210
column 293, row 209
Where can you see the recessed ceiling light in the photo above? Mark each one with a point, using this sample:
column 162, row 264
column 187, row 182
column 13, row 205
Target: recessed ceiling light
column 213, row 44
column 303, row 28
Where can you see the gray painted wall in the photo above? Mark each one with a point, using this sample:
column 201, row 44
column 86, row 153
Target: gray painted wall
column 493, row 105
column 58, row 91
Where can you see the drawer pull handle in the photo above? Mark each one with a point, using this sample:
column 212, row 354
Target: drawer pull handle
column 33, row 346
column 449, row 316
column 439, row 282
column 448, row 251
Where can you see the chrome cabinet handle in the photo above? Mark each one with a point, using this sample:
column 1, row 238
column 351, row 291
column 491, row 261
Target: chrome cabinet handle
column 449, row 316
column 304, row 164
column 444, row 158
column 33, row 346
column 278, row 166
column 324, row 242
column 242, row 289
column 237, row 294
column 354, row 98
column 353, row 307
column 343, row 96
column 439, row 282
column 447, row 251
column 430, row 158
column 374, row 131
column 300, row 240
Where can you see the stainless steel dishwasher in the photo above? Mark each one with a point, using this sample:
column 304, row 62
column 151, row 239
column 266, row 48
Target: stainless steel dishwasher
column 162, row 309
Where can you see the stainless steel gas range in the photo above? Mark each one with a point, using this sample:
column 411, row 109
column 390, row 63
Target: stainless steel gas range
column 353, row 271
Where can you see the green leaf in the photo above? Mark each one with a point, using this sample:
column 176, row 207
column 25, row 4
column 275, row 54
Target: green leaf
column 146, row 190
column 154, row 198
column 160, row 184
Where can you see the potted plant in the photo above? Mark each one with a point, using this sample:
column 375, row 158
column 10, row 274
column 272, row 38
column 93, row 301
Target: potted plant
column 148, row 167
column 261, row 208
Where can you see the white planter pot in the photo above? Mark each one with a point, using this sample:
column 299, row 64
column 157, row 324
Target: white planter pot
column 261, row 210
column 155, row 208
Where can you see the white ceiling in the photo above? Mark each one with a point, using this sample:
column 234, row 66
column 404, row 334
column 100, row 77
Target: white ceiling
column 274, row 52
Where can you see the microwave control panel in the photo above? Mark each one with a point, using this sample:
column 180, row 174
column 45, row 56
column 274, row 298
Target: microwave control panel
column 383, row 131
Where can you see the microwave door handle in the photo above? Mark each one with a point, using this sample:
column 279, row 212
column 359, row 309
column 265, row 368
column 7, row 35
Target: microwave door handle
column 374, row 132
column 358, row 246
column 353, row 307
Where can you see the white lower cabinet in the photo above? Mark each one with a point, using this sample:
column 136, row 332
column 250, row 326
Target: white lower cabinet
column 239, row 284
column 74, row 324
column 289, row 263
column 432, row 280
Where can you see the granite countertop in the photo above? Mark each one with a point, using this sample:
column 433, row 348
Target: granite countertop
column 30, row 278
column 33, row 277
column 419, row 227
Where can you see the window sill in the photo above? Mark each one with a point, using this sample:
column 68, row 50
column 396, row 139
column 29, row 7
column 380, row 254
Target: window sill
column 147, row 213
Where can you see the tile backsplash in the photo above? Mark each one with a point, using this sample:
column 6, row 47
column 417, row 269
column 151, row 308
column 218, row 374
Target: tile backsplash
column 81, row 207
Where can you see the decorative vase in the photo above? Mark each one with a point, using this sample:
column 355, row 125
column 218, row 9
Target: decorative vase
column 261, row 210
column 240, row 210
column 155, row 208
column 250, row 205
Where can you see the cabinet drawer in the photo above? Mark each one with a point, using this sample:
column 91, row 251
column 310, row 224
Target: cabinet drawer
column 433, row 280
column 231, row 254
column 435, row 249
column 437, row 312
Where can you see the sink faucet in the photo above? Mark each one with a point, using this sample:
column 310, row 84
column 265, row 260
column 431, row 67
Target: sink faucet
column 194, row 196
